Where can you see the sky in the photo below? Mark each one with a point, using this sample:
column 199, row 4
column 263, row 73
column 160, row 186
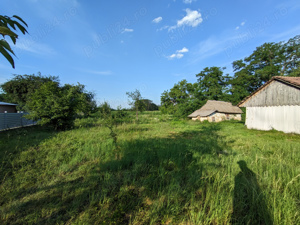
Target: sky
column 117, row 46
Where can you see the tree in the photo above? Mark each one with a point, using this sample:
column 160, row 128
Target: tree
column 7, row 25
column 149, row 105
column 181, row 100
column 56, row 106
column 136, row 102
column 86, row 103
column 266, row 61
column 18, row 89
column 212, row 83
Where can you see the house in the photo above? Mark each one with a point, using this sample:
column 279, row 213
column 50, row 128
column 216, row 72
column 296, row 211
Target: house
column 7, row 107
column 275, row 105
column 216, row 111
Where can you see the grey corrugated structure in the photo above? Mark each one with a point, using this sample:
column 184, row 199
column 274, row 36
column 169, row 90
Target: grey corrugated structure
column 7, row 107
column 216, row 111
column 275, row 105
column 14, row 120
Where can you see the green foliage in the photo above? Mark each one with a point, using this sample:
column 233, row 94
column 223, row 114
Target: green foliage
column 181, row 172
column 181, row 100
column 136, row 102
column 212, row 83
column 268, row 60
column 7, row 27
column 58, row 106
column 104, row 109
column 20, row 87
column 121, row 116
column 184, row 97
column 149, row 105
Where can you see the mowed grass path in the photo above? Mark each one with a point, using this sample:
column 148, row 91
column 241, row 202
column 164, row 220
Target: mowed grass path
column 167, row 172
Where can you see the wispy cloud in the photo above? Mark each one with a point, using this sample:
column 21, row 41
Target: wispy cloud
column 188, row 1
column 179, row 54
column 31, row 46
column 98, row 72
column 127, row 30
column 157, row 20
column 192, row 19
column 242, row 24
column 285, row 35
column 213, row 46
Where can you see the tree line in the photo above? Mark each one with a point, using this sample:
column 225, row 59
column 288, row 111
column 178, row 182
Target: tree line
column 47, row 100
column 266, row 61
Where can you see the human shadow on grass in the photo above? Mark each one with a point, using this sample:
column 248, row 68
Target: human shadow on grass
column 159, row 176
column 249, row 206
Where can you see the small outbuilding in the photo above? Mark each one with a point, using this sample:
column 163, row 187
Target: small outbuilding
column 275, row 105
column 8, row 107
column 216, row 111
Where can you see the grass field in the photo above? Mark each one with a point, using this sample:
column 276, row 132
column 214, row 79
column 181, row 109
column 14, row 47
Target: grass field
column 166, row 172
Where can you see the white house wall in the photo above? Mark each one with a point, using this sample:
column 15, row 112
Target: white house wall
column 282, row 118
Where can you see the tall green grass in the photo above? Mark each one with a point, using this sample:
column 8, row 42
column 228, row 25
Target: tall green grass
column 168, row 172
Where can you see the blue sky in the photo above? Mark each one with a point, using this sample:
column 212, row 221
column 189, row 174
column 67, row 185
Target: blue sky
column 117, row 46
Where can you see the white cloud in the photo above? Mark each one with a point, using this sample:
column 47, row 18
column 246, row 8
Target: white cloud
column 242, row 24
column 183, row 50
column 127, row 30
column 157, row 20
column 192, row 19
column 163, row 28
column 179, row 54
column 188, row 1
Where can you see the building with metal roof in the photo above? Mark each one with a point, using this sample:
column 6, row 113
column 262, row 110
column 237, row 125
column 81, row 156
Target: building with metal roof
column 6, row 107
column 275, row 105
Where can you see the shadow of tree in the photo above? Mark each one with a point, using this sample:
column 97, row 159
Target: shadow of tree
column 249, row 206
column 13, row 142
column 159, row 176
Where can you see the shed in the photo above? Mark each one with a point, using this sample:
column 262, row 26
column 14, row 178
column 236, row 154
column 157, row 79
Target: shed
column 216, row 111
column 8, row 107
column 275, row 105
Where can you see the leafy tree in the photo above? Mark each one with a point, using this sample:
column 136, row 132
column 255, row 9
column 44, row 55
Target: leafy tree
column 212, row 83
column 1, row 97
column 56, row 106
column 18, row 89
column 181, row 100
column 149, row 105
column 290, row 55
column 268, row 60
column 104, row 109
column 86, row 103
column 7, row 27
column 136, row 102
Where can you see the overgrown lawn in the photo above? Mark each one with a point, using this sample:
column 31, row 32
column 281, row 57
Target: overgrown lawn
column 163, row 172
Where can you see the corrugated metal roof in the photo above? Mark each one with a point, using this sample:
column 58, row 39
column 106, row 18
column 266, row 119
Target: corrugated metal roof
column 6, row 103
column 293, row 81
column 216, row 106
